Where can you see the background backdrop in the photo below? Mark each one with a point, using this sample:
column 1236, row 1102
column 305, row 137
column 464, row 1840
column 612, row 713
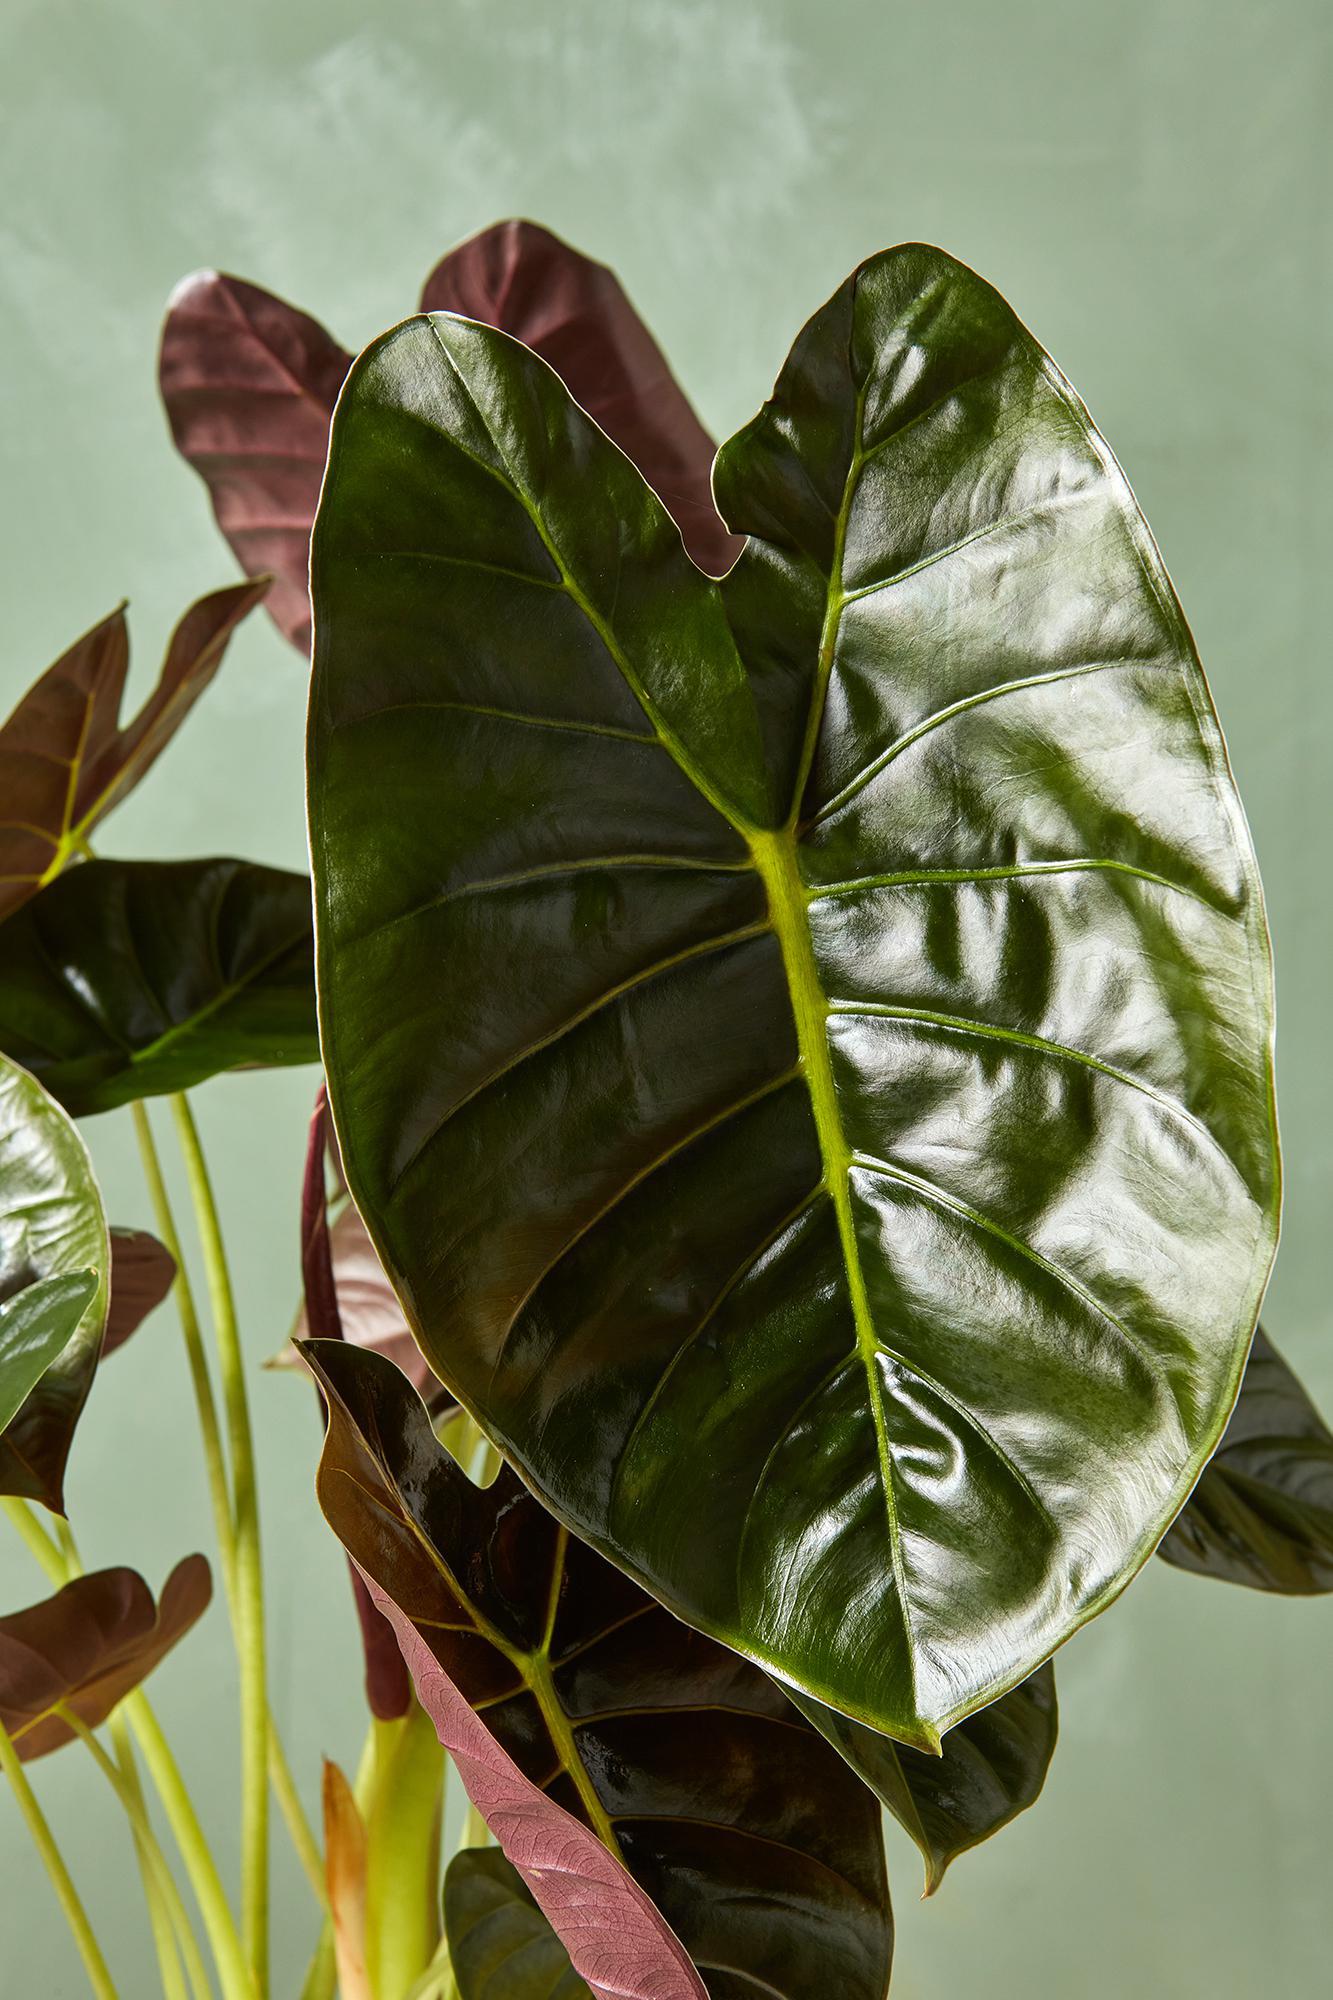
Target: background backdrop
column 1148, row 182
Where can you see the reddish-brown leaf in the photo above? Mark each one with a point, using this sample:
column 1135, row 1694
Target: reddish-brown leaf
column 90, row 1645
column 142, row 1273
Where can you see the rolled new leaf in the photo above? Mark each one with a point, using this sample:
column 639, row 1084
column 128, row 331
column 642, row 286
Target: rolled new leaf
column 499, row 1941
column 754, row 1839
column 65, row 760
column 88, row 1647
column 1262, row 1512
column 53, row 1232
column 991, row 1767
column 142, row 1273
column 801, row 1047
column 126, row 979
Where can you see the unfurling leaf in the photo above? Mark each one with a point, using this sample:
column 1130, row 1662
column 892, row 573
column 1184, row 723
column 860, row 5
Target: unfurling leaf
column 65, row 760
column 89, row 1646
column 801, row 1046
column 1262, row 1512
column 249, row 384
column 142, row 1273
column 499, row 1941
column 753, row 1838
column 991, row 1767
column 345, row 1880
column 52, row 1230
column 574, row 313
column 126, row 979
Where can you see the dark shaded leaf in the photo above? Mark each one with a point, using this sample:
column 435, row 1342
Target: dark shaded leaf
column 89, row 1646
column 125, row 979
column 249, row 385
column 991, row 1767
column 801, row 1047
column 36, row 1325
column 575, row 315
column 142, row 1273
column 1262, row 1512
column 64, row 758
column 748, row 1831
column 500, row 1945
column 52, row 1226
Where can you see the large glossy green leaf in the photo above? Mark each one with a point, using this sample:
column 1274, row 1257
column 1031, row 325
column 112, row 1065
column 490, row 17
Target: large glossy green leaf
column 500, row 1945
column 65, row 758
column 36, row 1325
column 1262, row 1513
column 128, row 978
column 801, row 1046
column 751, row 1835
column 52, row 1229
column 991, row 1767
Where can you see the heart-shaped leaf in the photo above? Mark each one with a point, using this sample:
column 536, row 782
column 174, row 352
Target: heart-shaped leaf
column 801, row 1047
column 125, row 979
column 249, row 384
column 52, row 1228
column 89, row 1646
column 1262, row 1512
column 751, row 1835
column 500, row 1945
column 574, row 313
column 64, row 758
column 142, row 1273
column 36, row 1325
column 991, row 1767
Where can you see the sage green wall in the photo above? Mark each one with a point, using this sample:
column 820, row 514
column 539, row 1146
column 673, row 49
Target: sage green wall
column 1148, row 181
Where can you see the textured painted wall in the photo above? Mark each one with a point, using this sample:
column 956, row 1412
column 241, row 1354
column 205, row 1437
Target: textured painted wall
column 1148, row 182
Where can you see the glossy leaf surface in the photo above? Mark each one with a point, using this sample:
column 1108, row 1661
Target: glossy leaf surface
column 89, row 1646
column 125, row 979
column 750, row 1834
column 500, row 1945
column 801, row 1047
column 65, row 760
column 1262, row 1513
column 991, row 1767
column 249, row 385
column 52, row 1227
column 574, row 313
column 36, row 1325
column 142, row 1273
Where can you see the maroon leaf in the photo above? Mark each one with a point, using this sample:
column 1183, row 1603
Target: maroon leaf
column 615, row 1936
column 90, row 1645
column 574, row 313
column 249, row 385
column 65, row 760
column 142, row 1273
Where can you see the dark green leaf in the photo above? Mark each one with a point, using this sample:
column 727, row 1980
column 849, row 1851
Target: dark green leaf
column 801, row 1047
column 89, row 1646
column 64, row 758
column 1262, row 1513
column 36, row 1325
column 991, row 1767
column 142, row 1273
column 751, row 1835
column 500, row 1945
column 52, row 1226
column 125, row 979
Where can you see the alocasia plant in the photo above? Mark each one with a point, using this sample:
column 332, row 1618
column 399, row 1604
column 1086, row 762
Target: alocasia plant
column 795, row 1004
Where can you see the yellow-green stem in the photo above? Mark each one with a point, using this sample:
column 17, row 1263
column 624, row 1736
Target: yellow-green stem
column 44, row 1841
column 403, row 1852
column 249, row 1574
column 159, row 1915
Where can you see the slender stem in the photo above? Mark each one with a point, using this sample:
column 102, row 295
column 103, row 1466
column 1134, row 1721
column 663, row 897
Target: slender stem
column 146, row 1840
column 437, row 1982
column 44, row 1841
column 403, row 1852
column 249, row 1574
column 38, row 1541
column 156, row 1901
column 284, row 1786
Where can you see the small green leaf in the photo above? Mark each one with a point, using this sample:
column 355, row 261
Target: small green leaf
column 35, row 1326
column 500, row 1945
column 52, row 1227
column 125, row 979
